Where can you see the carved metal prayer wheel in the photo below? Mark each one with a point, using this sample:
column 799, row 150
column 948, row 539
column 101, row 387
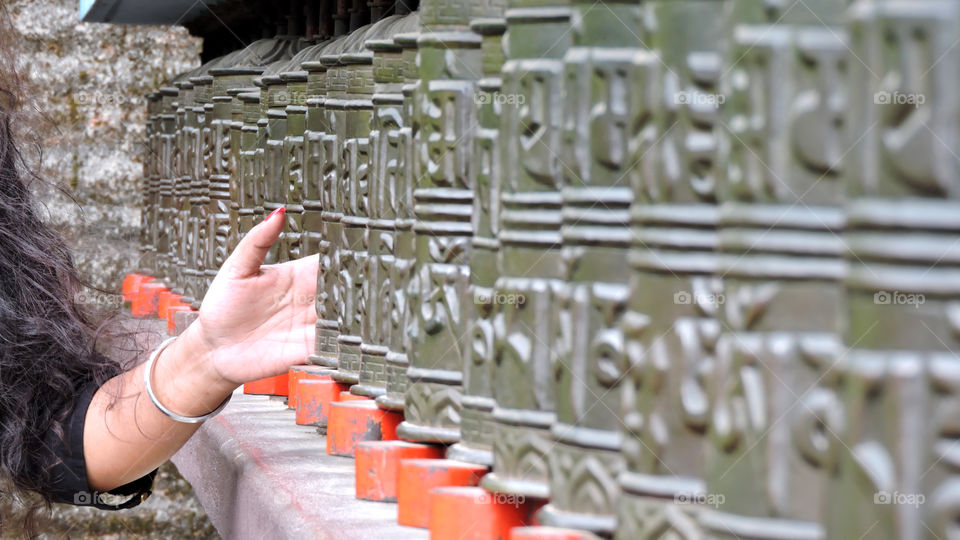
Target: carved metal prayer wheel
column 387, row 160
column 185, row 165
column 234, row 75
column 166, row 214
column 221, row 166
column 251, row 162
column 896, row 393
column 671, row 327
column 273, row 101
column 476, row 423
column 300, row 172
column 323, row 147
column 448, row 59
column 527, row 330
column 781, row 261
column 334, row 190
column 605, row 75
column 293, row 93
column 313, row 238
column 350, row 80
column 150, row 190
column 368, row 239
column 403, row 321
column 200, row 180
column 212, row 186
column 449, row 62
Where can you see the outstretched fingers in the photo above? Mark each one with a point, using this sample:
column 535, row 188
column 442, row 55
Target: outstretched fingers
column 246, row 259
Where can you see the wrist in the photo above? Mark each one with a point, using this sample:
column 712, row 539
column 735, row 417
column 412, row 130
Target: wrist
column 185, row 379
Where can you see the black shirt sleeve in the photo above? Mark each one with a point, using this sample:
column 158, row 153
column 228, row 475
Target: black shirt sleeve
column 69, row 472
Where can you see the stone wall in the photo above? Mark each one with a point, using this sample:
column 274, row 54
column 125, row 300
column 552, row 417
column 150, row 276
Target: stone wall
column 84, row 85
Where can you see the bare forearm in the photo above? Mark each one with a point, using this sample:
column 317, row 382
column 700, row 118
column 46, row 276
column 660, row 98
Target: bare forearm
column 127, row 437
column 256, row 321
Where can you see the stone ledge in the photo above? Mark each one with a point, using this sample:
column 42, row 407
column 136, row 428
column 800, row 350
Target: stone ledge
column 259, row 475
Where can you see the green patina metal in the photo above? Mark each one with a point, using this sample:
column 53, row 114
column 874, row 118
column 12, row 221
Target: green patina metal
column 403, row 323
column 386, row 167
column 530, row 282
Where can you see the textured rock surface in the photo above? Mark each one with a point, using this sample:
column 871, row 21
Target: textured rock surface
column 172, row 512
column 84, row 86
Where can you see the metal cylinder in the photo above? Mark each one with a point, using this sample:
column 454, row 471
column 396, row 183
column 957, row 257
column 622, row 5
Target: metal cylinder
column 476, row 424
column 449, row 58
column 387, row 151
column 527, row 330
column 403, row 325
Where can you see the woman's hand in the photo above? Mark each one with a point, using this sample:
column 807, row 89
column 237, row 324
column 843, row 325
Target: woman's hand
column 257, row 320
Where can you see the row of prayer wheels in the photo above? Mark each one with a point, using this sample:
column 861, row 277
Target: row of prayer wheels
column 683, row 268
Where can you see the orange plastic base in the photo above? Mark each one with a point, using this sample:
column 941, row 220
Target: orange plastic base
column 314, row 399
column 171, row 314
column 473, row 513
column 182, row 319
column 165, row 301
column 549, row 533
column 419, row 476
column 347, row 396
column 353, row 421
column 273, row 386
column 298, row 373
column 378, row 466
column 145, row 303
column 131, row 285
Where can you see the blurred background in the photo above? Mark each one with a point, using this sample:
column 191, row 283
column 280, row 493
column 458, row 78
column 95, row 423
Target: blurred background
column 83, row 133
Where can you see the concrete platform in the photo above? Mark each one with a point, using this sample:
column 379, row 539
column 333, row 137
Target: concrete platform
column 259, row 475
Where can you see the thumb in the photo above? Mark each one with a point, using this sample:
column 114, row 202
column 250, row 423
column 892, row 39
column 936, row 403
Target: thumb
column 245, row 261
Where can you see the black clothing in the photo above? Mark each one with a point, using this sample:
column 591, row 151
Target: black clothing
column 69, row 472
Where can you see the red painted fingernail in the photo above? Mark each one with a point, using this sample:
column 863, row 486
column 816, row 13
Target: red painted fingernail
column 280, row 210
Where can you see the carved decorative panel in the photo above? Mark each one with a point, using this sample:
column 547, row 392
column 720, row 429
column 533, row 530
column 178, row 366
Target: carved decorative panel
column 323, row 136
column 150, row 189
column 351, row 99
column 476, row 427
column 444, row 118
column 671, row 326
column 782, row 269
column 894, row 474
column 403, row 286
column 166, row 214
column 605, row 111
column 387, row 153
column 527, row 292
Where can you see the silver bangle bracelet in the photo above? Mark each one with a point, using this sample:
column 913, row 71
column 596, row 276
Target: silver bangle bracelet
column 148, row 374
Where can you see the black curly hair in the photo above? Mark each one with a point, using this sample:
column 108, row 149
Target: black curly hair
column 48, row 340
